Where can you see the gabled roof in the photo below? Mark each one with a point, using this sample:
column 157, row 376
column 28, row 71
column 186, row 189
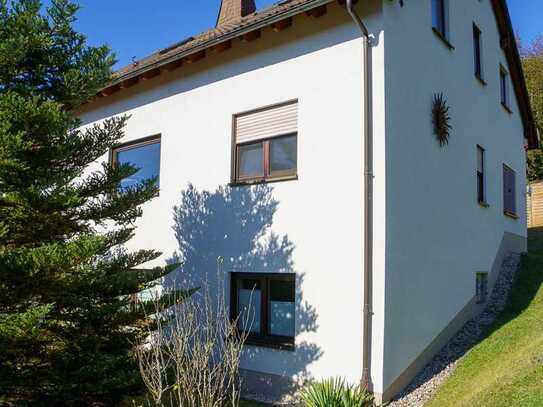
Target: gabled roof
column 279, row 16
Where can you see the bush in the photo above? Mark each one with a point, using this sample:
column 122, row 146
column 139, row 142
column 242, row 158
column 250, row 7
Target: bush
column 192, row 354
column 335, row 393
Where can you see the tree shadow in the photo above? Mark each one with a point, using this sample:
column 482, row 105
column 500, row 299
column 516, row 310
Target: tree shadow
column 528, row 282
column 235, row 224
column 535, row 240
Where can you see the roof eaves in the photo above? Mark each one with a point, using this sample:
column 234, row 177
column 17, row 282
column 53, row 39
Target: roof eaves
column 516, row 70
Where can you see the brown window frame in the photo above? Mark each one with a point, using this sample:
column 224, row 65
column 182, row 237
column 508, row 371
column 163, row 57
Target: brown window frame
column 130, row 145
column 268, row 174
column 264, row 339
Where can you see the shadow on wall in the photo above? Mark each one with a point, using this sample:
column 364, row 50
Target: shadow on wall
column 235, row 224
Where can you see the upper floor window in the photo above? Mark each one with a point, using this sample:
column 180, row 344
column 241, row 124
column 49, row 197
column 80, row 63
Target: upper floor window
column 481, row 193
column 439, row 19
column 509, row 192
column 477, row 52
column 504, row 87
column 266, row 144
column 263, row 305
column 144, row 154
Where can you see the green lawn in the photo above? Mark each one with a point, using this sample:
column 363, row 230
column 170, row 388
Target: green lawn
column 506, row 368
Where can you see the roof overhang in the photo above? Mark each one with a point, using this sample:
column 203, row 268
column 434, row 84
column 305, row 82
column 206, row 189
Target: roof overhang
column 251, row 30
column 509, row 46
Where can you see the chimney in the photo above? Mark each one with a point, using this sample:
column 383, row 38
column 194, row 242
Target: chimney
column 234, row 10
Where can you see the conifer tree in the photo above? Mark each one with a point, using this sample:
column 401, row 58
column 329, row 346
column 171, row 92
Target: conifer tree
column 67, row 326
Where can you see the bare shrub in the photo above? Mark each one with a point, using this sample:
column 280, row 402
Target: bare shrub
column 192, row 355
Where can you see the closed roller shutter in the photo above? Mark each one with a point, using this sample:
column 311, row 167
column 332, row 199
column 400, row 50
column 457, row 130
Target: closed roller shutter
column 509, row 195
column 265, row 123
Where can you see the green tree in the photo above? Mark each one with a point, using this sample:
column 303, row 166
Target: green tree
column 67, row 325
column 532, row 62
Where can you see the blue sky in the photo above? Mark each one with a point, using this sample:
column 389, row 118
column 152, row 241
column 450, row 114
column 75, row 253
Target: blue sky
column 136, row 28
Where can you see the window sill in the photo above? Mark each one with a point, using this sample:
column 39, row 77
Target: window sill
column 481, row 80
column 271, row 343
column 256, row 181
column 443, row 39
column 483, row 204
column 507, row 108
column 511, row 215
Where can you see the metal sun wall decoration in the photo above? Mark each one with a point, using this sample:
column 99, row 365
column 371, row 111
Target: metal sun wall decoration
column 441, row 119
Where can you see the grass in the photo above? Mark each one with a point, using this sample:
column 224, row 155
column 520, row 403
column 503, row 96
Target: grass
column 506, row 368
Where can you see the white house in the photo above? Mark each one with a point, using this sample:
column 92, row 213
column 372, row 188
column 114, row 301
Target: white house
column 302, row 149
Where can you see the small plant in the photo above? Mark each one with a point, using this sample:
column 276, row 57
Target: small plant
column 335, row 393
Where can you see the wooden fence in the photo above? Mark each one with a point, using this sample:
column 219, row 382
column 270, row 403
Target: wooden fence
column 534, row 204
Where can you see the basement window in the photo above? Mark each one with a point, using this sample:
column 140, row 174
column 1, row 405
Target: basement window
column 265, row 145
column 144, row 154
column 481, row 291
column 263, row 306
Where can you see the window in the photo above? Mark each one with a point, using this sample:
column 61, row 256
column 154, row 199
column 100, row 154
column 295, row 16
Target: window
column 266, row 144
column 481, row 290
column 481, row 195
column 264, row 307
column 509, row 192
column 144, row 154
column 504, row 88
column 477, row 52
column 439, row 18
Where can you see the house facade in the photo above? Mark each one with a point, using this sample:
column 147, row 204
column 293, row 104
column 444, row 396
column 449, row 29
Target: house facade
column 258, row 132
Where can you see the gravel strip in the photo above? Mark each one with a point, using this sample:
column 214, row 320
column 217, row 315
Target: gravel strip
column 286, row 401
column 423, row 387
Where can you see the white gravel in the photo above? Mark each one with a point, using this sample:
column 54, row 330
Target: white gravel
column 287, row 401
column 442, row 365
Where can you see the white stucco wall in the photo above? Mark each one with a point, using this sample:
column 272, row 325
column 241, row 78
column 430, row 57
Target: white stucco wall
column 318, row 62
column 437, row 236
